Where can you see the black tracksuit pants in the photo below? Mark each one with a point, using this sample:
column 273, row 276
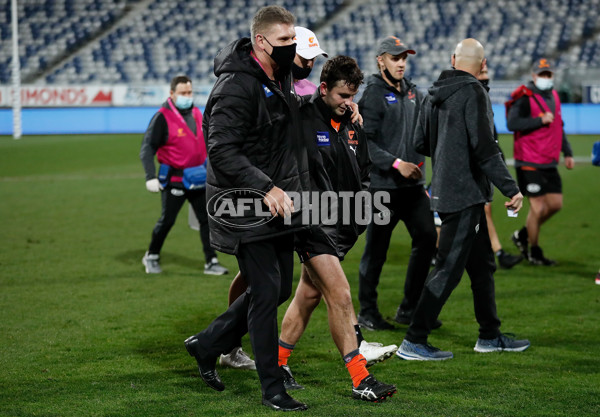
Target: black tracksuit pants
column 412, row 206
column 268, row 268
column 464, row 244
column 172, row 201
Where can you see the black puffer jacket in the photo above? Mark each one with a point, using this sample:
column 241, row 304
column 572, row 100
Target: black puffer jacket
column 251, row 125
column 456, row 128
column 339, row 162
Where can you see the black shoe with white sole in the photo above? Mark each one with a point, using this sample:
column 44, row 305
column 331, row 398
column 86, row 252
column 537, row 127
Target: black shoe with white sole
column 372, row 390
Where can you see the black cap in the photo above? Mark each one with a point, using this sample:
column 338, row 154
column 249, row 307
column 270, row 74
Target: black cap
column 393, row 46
column 542, row 65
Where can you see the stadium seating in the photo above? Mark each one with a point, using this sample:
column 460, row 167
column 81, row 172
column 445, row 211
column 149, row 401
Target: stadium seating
column 167, row 37
column 148, row 41
column 49, row 30
column 513, row 32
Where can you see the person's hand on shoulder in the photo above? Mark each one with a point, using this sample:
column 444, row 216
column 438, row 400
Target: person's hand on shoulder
column 356, row 117
column 153, row 185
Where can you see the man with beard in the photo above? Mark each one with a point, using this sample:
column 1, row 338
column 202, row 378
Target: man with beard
column 389, row 106
column 339, row 163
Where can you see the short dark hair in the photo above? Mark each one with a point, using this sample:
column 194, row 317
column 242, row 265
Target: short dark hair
column 180, row 79
column 268, row 16
column 342, row 68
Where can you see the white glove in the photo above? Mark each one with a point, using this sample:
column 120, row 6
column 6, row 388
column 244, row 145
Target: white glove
column 153, row 185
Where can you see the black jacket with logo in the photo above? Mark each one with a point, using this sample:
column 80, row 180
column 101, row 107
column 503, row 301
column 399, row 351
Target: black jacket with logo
column 389, row 117
column 251, row 125
column 456, row 128
column 339, row 161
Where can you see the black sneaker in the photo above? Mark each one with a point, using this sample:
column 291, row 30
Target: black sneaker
column 405, row 317
column 372, row 390
column 289, row 382
column 520, row 242
column 373, row 322
column 536, row 257
column 507, row 260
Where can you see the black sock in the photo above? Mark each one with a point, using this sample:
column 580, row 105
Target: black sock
column 523, row 233
column 359, row 336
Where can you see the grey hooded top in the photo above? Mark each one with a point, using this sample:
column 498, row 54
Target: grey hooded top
column 456, row 128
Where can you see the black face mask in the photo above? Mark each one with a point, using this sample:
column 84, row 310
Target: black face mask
column 300, row 73
column 390, row 77
column 283, row 57
column 485, row 83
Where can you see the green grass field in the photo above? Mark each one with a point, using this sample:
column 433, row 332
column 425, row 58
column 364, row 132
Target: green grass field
column 85, row 332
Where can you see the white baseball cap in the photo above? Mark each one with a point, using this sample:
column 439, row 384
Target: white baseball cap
column 307, row 44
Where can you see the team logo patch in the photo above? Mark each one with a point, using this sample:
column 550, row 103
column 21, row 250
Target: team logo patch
column 391, row 98
column 323, row 139
column 533, row 188
column 268, row 92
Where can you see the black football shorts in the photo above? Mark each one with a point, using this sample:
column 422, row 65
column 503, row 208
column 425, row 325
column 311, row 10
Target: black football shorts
column 535, row 182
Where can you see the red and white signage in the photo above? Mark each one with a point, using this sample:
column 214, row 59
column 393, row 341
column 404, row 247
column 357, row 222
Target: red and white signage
column 97, row 96
column 57, row 96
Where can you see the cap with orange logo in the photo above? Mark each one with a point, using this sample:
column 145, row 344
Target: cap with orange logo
column 307, row 44
column 542, row 65
column 393, row 46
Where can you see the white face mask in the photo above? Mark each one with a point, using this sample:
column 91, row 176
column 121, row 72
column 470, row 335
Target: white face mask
column 544, row 83
column 183, row 102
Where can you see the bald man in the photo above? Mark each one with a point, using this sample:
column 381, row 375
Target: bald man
column 455, row 128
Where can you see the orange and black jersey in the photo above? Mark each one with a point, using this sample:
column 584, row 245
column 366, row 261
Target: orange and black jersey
column 338, row 159
column 337, row 149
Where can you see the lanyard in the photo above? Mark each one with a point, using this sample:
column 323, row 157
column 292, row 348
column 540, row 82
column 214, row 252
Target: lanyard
column 180, row 117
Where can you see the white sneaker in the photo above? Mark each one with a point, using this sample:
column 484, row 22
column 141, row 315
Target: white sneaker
column 375, row 352
column 151, row 264
column 237, row 359
column 213, row 267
